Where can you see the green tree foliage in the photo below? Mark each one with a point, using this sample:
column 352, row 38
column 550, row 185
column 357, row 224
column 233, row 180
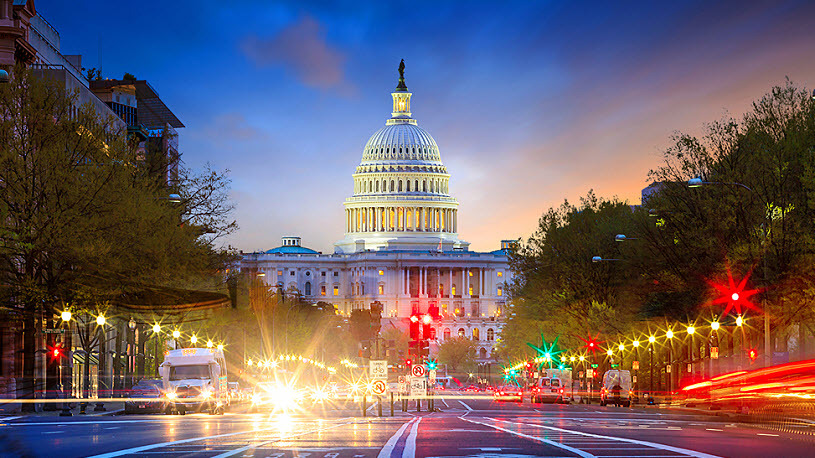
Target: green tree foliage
column 458, row 353
column 80, row 220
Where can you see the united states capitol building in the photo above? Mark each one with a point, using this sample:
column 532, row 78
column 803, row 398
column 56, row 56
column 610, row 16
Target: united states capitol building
column 401, row 245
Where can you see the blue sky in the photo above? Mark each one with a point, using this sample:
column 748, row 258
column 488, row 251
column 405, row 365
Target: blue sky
column 530, row 102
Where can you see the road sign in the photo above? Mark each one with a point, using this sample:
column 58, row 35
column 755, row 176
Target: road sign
column 378, row 387
column 594, row 366
column 668, row 369
column 53, row 331
column 417, row 370
column 378, row 370
column 589, row 373
column 714, row 352
column 634, row 379
column 417, row 386
column 432, row 376
column 636, row 365
column 402, row 384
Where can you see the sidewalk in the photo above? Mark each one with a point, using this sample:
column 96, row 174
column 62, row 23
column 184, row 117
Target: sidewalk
column 8, row 409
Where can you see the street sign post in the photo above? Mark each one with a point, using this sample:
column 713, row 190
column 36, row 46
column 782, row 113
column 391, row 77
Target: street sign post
column 378, row 370
column 417, row 370
column 418, row 386
column 432, row 377
column 402, row 384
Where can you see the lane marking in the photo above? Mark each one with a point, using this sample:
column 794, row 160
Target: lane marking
column 445, row 403
column 714, row 429
column 536, row 438
column 142, row 448
column 279, row 439
column 9, row 418
column 766, row 434
column 391, row 444
column 465, row 405
column 410, row 445
column 621, row 439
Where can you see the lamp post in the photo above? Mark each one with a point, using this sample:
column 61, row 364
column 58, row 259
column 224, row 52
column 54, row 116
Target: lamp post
column 636, row 345
column 651, row 340
column 669, row 334
column 176, row 335
column 698, row 182
column 65, row 367
column 691, row 330
column 131, row 344
column 157, row 337
column 100, row 368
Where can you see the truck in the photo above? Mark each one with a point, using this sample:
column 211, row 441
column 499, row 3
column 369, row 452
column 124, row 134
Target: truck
column 194, row 379
column 616, row 388
column 553, row 385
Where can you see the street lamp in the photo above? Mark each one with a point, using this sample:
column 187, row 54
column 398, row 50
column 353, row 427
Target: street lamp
column 66, row 315
column 220, row 347
column 100, row 320
column 739, row 320
column 131, row 366
column 209, row 344
column 193, row 339
column 670, row 335
column 714, row 325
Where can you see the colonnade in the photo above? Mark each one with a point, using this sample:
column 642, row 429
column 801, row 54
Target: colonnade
column 401, row 219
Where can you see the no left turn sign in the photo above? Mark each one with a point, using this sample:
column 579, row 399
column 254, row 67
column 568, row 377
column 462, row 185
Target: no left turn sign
column 417, row 370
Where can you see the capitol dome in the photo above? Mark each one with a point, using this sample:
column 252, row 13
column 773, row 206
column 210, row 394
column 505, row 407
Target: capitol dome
column 401, row 199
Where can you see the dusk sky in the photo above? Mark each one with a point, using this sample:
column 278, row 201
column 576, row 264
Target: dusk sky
column 530, row 103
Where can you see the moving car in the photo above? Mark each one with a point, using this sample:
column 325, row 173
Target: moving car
column 547, row 389
column 145, row 396
column 277, row 396
column 616, row 388
column 508, row 393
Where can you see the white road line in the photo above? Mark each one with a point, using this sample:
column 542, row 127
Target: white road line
column 410, row 444
column 445, row 403
column 263, row 444
column 465, row 405
column 389, row 446
column 9, row 418
column 183, row 441
column 536, row 438
column 765, row 434
column 669, row 448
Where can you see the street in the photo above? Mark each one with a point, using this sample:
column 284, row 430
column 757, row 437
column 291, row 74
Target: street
column 468, row 425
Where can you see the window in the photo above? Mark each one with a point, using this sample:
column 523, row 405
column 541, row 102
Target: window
column 500, row 274
column 336, row 290
column 322, row 290
column 461, row 332
column 446, row 333
column 482, row 353
column 381, row 272
column 381, row 289
column 453, row 290
column 500, row 291
column 279, row 273
column 308, row 288
column 470, row 273
column 322, row 274
column 471, row 291
column 308, row 274
column 291, row 273
column 490, row 334
column 336, row 274
column 476, row 334
column 444, row 309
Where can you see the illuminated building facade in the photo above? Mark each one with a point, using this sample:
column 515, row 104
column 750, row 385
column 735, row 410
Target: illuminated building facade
column 401, row 245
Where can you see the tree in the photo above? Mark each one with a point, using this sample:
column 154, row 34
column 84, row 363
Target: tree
column 80, row 221
column 458, row 353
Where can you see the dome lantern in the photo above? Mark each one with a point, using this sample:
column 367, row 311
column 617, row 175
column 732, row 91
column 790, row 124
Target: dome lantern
column 401, row 100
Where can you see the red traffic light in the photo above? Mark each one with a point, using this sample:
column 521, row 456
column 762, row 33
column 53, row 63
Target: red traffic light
column 752, row 354
column 408, row 362
column 427, row 319
column 414, row 318
column 56, row 353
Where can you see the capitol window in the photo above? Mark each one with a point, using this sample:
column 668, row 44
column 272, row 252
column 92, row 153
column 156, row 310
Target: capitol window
column 381, row 272
column 500, row 291
column 381, row 289
column 500, row 274
column 336, row 290
column 322, row 290
column 490, row 334
column 453, row 290
column 279, row 273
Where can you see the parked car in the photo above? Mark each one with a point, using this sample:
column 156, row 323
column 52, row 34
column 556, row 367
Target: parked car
column 616, row 388
column 547, row 389
column 146, row 396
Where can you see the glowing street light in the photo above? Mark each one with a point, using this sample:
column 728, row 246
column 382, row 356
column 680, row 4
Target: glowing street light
column 156, row 328
column 636, row 343
column 739, row 320
column 669, row 334
column 176, row 334
column 209, row 344
column 193, row 339
column 610, row 352
column 652, row 339
column 572, row 359
column 714, row 325
column 621, row 347
column 691, row 330
column 220, row 346
column 582, row 358
column 66, row 315
column 100, row 320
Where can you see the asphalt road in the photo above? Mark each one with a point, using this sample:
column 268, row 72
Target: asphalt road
column 473, row 426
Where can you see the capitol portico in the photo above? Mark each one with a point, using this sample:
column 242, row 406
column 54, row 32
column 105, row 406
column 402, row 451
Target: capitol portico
column 401, row 245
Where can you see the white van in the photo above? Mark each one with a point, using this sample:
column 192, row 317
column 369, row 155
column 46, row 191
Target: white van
column 616, row 388
column 547, row 389
column 195, row 380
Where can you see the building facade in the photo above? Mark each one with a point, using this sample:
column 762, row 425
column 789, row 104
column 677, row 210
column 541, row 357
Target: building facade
column 401, row 245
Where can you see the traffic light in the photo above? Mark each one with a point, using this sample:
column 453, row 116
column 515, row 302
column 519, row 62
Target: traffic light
column 427, row 327
column 415, row 327
column 432, row 365
column 376, row 317
column 433, row 311
column 408, row 364
column 57, row 352
column 752, row 354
